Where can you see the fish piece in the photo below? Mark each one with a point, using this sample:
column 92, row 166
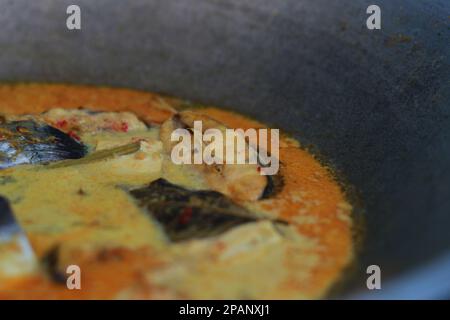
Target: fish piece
column 241, row 182
column 85, row 121
column 16, row 253
column 185, row 214
column 81, row 121
column 30, row 142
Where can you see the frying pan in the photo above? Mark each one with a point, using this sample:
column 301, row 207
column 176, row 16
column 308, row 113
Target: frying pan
column 374, row 104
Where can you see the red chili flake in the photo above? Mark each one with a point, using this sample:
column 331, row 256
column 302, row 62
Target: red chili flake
column 61, row 123
column 119, row 126
column 74, row 135
column 186, row 215
column 220, row 246
column 124, row 127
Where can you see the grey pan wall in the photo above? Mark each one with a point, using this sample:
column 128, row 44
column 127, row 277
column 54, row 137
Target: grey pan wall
column 374, row 104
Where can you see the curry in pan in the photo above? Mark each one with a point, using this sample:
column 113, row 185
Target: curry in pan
column 87, row 173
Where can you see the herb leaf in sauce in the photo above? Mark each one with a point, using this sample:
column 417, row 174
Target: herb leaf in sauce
column 97, row 156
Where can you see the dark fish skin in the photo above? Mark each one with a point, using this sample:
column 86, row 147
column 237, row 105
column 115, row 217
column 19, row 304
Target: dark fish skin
column 274, row 186
column 50, row 262
column 185, row 214
column 29, row 142
column 8, row 223
column 12, row 233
